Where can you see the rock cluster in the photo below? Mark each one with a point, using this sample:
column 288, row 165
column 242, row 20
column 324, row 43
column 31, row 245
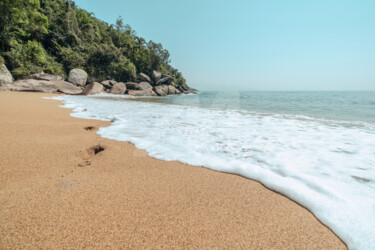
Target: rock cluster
column 156, row 85
column 37, row 83
column 42, row 86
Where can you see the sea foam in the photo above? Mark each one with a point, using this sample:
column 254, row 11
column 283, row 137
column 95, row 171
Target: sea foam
column 325, row 165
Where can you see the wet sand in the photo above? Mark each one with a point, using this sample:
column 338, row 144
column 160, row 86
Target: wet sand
column 62, row 186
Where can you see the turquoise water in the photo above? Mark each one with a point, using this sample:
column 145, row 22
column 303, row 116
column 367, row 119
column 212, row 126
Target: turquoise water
column 317, row 148
column 336, row 105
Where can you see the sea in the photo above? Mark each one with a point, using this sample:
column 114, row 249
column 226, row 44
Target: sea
column 317, row 148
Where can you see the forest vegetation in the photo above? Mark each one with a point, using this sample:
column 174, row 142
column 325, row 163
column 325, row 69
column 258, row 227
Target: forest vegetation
column 55, row 36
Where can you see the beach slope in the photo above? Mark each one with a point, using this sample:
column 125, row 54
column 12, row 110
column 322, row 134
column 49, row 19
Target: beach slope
column 62, row 186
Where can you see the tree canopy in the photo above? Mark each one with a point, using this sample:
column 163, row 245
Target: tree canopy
column 56, row 36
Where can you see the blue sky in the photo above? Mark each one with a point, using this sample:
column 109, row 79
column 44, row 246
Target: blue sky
column 258, row 45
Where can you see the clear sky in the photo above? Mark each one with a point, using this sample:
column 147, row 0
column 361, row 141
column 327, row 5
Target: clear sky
column 257, row 44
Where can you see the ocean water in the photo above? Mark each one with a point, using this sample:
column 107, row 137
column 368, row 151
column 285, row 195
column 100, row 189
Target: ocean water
column 317, row 148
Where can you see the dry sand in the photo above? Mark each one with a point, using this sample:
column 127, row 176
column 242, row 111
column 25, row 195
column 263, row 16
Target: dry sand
column 54, row 193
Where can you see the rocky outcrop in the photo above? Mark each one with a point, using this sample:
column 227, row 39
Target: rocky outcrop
column 156, row 75
column 118, row 89
column 160, row 84
column 78, row 77
column 5, row 76
column 45, row 77
column 144, row 77
column 43, row 86
column 108, row 84
column 188, row 90
column 144, row 86
column 147, row 92
column 132, row 85
column 93, row 89
column 173, row 91
column 161, row 90
column 165, row 80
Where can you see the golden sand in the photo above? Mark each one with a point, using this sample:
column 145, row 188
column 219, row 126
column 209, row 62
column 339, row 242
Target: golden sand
column 55, row 192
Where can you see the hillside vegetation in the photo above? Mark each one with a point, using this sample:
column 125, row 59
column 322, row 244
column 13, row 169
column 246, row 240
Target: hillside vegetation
column 56, row 36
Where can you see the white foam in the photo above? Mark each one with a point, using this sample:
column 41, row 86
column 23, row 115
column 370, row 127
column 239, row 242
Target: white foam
column 326, row 166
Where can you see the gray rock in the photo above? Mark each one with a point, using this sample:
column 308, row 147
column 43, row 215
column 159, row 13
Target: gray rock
column 93, row 89
column 173, row 91
column 43, row 86
column 161, row 90
column 144, row 77
column 165, row 80
column 108, row 83
column 147, row 92
column 132, row 85
column 144, row 86
column 156, row 75
column 68, row 88
column 78, row 77
column 188, row 90
column 45, row 77
column 5, row 76
column 119, row 88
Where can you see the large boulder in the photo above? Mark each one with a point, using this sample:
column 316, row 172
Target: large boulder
column 68, row 88
column 119, row 88
column 93, row 89
column 144, row 86
column 78, row 77
column 147, row 92
column 45, row 77
column 108, row 84
column 144, row 77
column 132, row 85
column 173, row 91
column 156, row 75
column 161, row 90
column 5, row 76
column 165, row 80
column 43, row 86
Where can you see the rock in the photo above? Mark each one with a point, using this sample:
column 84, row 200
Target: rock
column 132, row 85
column 144, row 86
column 161, row 90
column 5, row 76
column 147, row 92
column 156, row 75
column 78, row 77
column 45, row 77
column 93, row 89
column 165, row 80
column 144, row 77
column 188, row 90
column 173, row 91
column 43, row 86
column 119, row 88
column 68, row 88
column 108, row 83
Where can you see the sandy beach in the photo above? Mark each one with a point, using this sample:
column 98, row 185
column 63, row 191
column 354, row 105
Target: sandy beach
column 62, row 186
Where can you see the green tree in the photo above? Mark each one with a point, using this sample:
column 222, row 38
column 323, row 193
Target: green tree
column 56, row 36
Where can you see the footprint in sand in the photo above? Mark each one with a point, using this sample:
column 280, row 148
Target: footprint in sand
column 86, row 154
column 89, row 128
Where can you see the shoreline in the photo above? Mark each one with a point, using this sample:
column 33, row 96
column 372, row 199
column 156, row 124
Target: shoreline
column 120, row 196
